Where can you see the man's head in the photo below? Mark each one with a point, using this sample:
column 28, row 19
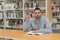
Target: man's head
column 37, row 13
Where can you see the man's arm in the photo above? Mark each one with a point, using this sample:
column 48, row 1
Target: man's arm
column 48, row 28
column 27, row 26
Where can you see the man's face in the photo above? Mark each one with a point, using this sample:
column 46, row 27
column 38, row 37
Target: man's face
column 37, row 14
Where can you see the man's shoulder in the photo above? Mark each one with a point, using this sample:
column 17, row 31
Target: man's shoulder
column 43, row 18
column 46, row 19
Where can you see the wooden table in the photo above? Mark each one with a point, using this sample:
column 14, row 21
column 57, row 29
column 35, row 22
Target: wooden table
column 20, row 35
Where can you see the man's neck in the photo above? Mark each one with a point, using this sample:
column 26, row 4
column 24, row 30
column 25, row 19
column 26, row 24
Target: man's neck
column 37, row 19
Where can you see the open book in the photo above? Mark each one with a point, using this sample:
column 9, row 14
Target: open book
column 31, row 33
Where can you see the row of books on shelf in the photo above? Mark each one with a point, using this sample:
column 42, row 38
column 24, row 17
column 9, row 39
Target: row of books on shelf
column 9, row 14
column 12, row 5
column 33, row 4
column 56, row 5
column 14, row 14
column 12, row 23
column 56, row 8
column 55, row 2
column 56, row 26
column 56, row 14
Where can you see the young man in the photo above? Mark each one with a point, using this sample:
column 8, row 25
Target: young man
column 39, row 24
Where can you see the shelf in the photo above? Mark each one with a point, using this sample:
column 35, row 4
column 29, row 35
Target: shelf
column 56, row 22
column 14, row 9
column 15, row 18
column 56, row 5
column 56, row 10
column 56, row 28
column 1, row 10
column 14, row 28
column 56, row 16
column 34, row 8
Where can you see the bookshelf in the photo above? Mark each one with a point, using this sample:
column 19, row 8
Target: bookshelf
column 13, row 14
column 1, row 14
column 56, row 13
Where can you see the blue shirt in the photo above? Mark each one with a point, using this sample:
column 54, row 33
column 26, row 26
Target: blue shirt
column 44, row 25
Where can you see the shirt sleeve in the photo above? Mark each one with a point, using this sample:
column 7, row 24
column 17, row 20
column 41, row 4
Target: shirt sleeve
column 48, row 28
column 27, row 26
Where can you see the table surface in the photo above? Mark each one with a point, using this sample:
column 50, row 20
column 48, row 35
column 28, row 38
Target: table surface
column 20, row 35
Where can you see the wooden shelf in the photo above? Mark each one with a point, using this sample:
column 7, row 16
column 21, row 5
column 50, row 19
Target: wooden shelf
column 34, row 8
column 1, row 10
column 55, row 5
column 56, row 22
column 15, row 18
column 56, row 16
column 14, row 9
column 14, row 28
column 56, row 10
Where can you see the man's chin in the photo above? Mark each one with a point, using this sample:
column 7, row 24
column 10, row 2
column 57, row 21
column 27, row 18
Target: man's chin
column 37, row 17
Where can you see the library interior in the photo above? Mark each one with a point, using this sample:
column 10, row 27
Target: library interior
column 12, row 19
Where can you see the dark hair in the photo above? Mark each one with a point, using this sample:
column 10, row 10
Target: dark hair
column 38, row 9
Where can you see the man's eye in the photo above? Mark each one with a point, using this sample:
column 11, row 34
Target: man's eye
column 35, row 13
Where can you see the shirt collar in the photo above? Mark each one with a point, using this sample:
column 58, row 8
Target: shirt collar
column 39, row 21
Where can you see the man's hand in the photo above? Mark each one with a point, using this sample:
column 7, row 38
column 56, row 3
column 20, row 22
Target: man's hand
column 35, row 31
